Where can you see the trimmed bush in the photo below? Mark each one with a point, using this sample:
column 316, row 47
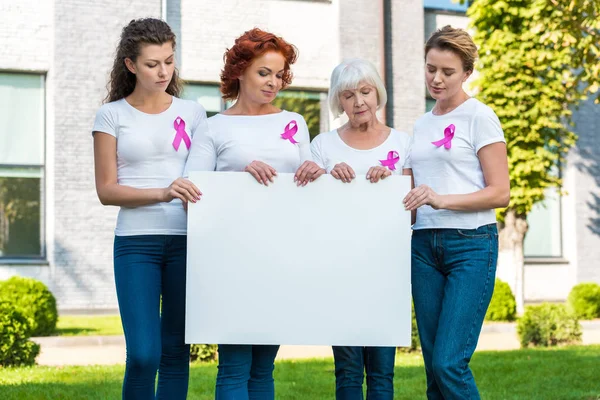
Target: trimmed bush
column 547, row 325
column 584, row 300
column 203, row 352
column 15, row 347
column 32, row 299
column 503, row 306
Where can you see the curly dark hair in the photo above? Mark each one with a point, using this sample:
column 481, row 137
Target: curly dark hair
column 247, row 47
column 137, row 33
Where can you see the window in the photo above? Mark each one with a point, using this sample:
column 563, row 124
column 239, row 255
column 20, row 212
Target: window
column 439, row 13
column 447, row 5
column 543, row 238
column 207, row 95
column 429, row 103
column 305, row 103
column 21, row 165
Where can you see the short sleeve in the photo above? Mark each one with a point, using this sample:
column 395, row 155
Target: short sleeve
column 203, row 153
column 304, row 141
column 316, row 151
column 199, row 119
column 408, row 141
column 106, row 120
column 486, row 129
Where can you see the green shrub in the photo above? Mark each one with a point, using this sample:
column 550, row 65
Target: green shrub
column 548, row 325
column 32, row 299
column 15, row 347
column 503, row 306
column 415, row 342
column 584, row 300
column 203, row 352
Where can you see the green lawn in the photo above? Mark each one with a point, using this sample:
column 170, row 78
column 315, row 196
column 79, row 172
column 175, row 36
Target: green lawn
column 86, row 325
column 557, row 374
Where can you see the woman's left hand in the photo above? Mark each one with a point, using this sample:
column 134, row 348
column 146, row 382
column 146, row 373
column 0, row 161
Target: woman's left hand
column 422, row 195
column 308, row 172
column 378, row 172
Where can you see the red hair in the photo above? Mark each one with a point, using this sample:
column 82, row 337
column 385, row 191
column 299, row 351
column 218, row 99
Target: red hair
column 253, row 43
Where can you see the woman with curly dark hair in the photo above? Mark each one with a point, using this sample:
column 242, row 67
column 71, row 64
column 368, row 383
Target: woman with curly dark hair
column 259, row 138
column 142, row 136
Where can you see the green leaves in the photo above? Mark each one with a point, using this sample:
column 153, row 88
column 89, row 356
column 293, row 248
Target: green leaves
column 538, row 60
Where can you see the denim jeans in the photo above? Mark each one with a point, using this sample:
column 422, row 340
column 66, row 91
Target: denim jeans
column 453, row 274
column 245, row 372
column 147, row 266
column 350, row 364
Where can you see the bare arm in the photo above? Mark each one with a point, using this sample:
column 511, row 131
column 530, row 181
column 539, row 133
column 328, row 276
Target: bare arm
column 413, row 213
column 111, row 193
column 496, row 193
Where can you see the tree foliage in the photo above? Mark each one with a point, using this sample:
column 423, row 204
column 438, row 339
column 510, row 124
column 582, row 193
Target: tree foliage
column 537, row 60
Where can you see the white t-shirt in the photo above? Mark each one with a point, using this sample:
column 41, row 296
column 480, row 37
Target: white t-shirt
column 234, row 141
column 453, row 170
column 328, row 149
column 147, row 158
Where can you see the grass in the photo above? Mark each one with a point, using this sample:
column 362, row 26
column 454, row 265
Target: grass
column 558, row 374
column 86, row 325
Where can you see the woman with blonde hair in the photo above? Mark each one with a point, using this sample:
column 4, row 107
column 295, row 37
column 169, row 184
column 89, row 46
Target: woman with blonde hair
column 459, row 163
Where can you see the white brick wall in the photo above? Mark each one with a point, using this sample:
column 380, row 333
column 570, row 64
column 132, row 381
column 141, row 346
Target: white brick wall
column 75, row 42
column 408, row 56
column 86, row 36
column 26, row 30
column 310, row 26
column 585, row 164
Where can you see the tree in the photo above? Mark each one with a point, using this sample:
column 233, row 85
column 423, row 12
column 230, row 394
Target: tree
column 538, row 60
column 303, row 104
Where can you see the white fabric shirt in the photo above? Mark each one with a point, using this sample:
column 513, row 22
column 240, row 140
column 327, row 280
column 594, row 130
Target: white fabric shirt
column 147, row 158
column 328, row 149
column 456, row 170
column 231, row 142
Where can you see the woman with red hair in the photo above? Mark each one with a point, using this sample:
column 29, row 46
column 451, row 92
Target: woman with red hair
column 259, row 138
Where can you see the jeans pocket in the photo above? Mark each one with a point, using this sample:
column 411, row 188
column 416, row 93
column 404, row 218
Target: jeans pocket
column 473, row 233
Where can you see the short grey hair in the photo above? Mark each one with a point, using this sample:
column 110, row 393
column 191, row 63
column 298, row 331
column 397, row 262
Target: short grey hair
column 347, row 76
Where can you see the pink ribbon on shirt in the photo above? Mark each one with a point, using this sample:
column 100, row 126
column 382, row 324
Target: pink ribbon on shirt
column 289, row 131
column 180, row 134
column 448, row 136
column 391, row 161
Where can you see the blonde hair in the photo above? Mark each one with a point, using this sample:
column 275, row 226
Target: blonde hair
column 457, row 41
column 348, row 75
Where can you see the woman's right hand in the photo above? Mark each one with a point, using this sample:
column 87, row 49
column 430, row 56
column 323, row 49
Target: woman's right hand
column 182, row 189
column 343, row 172
column 263, row 173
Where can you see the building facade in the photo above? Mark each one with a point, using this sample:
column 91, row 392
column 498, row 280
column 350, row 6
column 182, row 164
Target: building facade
column 56, row 57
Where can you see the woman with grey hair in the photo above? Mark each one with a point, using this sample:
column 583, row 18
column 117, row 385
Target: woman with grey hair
column 363, row 145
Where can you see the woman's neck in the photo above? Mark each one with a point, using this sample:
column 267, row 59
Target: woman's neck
column 364, row 136
column 244, row 106
column 149, row 102
column 445, row 106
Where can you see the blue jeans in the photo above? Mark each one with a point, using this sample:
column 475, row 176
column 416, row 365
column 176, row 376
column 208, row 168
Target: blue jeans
column 351, row 361
column 453, row 274
column 245, row 372
column 146, row 267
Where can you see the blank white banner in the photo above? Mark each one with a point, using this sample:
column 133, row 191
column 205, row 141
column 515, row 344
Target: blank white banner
column 324, row 264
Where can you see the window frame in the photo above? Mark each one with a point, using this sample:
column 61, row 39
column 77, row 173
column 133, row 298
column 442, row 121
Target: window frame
column 42, row 257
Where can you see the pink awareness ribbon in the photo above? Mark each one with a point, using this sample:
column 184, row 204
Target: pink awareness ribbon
column 448, row 136
column 391, row 161
column 289, row 131
column 180, row 134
